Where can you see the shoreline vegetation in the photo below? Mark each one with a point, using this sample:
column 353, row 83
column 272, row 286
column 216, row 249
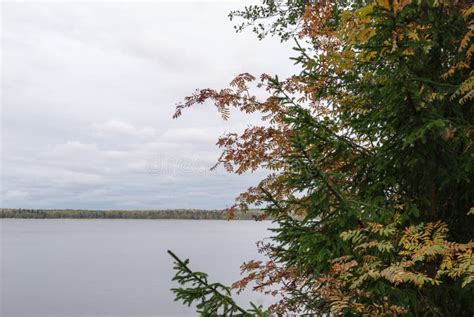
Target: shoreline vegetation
column 192, row 214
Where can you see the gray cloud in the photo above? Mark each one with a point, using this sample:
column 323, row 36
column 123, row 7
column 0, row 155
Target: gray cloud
column 88, row 91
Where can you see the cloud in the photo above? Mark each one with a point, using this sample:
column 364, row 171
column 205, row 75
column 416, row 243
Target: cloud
column 119, row 128
column 192, row 135
column 88, row 93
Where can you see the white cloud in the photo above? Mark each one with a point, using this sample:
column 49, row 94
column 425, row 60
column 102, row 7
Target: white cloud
column 14, row 194
column 88, row 92
column 119, row 128
column 192, row 135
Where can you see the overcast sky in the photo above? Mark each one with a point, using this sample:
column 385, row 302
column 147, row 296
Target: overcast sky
column 88, row 92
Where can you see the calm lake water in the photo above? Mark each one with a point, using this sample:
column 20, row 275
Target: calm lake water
column 98, row 268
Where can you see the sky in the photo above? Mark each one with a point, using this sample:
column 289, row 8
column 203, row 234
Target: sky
column 88, row 90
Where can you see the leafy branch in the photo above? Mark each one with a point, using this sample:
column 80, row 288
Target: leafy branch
column 214, row 299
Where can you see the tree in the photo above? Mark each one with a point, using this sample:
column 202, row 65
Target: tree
column 370, row 153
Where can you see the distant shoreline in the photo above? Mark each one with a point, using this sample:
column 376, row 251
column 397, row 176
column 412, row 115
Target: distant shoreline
column 191, row 214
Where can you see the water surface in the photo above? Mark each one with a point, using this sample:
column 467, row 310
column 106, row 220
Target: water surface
column 82, row 268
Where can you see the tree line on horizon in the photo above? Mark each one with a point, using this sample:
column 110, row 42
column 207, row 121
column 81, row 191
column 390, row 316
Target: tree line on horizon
column 197, row 214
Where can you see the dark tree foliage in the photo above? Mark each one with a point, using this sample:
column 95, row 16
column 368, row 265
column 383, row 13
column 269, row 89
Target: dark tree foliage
column 370, row 157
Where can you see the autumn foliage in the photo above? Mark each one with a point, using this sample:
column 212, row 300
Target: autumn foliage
column 370, row 157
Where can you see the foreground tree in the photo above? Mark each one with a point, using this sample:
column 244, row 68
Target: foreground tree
column 370, row 153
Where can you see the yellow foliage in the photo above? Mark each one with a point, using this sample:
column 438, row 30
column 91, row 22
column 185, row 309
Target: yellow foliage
column 413, row 35
column 419, row 249
column 466, row 90
column 398, row 5
column 385, row 4
column 467, row 12
column 467, row 37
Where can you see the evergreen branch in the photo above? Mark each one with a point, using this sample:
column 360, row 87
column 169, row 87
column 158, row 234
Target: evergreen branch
column 325, row 179
column 214, row 298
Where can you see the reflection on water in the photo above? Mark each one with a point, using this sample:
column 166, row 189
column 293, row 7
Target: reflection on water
column 115, row 267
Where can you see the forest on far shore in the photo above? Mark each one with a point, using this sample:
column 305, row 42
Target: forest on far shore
column 124, row 214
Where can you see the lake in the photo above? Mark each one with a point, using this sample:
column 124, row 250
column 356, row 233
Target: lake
column 82, row 268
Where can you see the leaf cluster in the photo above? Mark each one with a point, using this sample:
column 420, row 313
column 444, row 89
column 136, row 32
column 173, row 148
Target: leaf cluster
column 370, row 156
